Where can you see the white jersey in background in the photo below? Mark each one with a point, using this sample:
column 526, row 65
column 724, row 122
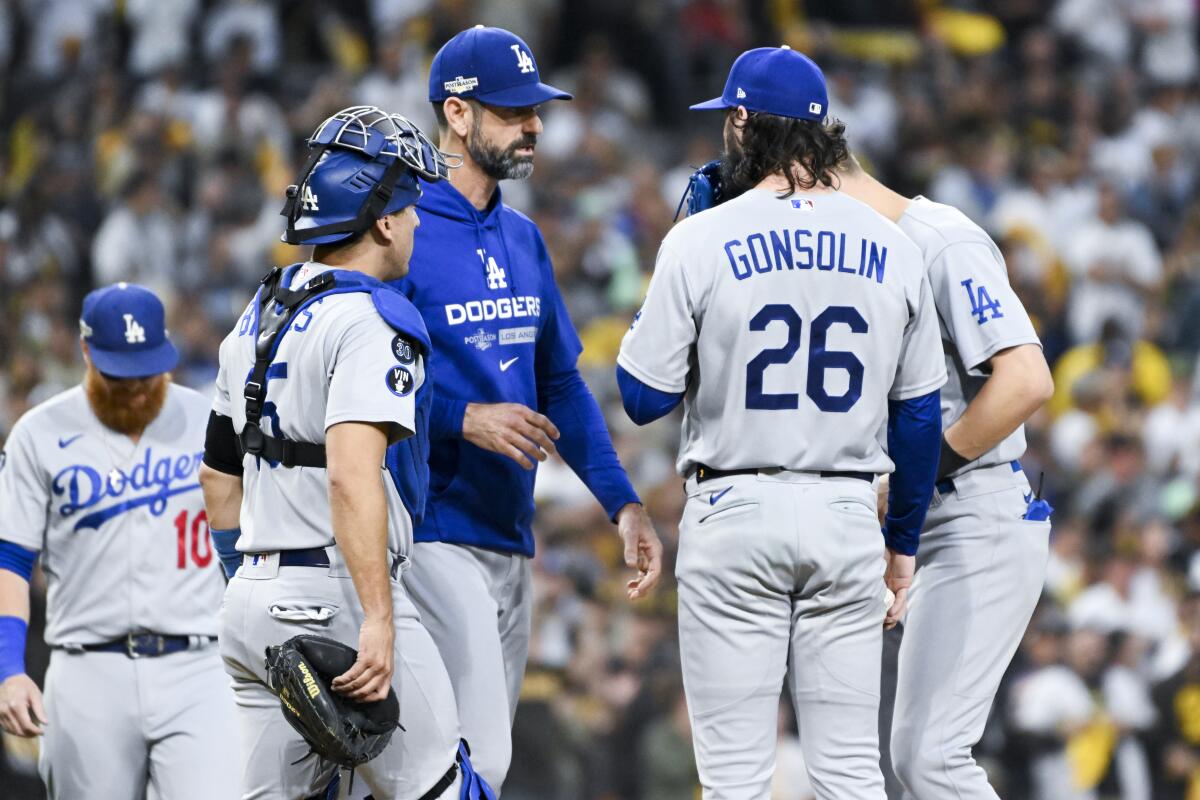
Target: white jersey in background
column 979, row 311
column 789, row 322
column 121, row 526
column 334, row 364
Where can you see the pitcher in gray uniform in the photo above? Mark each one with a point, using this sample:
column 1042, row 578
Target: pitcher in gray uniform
column 797, row 327
column 324, row 371
column 984, row 548
column 101, row 480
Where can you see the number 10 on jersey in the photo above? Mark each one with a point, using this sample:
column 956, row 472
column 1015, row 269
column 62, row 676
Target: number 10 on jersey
column 820, row 360
column 198, row 539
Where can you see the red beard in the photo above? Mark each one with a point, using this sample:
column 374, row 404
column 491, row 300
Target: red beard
column 125, row 406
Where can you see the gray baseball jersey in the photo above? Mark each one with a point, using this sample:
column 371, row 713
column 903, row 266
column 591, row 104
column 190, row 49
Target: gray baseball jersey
column 981, row 564
column 339, row 362
column 121, row 526
column 350, row 366
column 980, row 313
column 125, row 548
column 789, row 322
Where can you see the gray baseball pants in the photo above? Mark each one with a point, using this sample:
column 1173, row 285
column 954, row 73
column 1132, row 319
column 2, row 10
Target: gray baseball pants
column 780, row 576
column 478, row 606
column 117, row 724
column 980, row 570
column 267, row 605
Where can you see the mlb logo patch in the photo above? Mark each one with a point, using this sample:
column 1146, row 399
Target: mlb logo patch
column 814, row 108
column 802, row 203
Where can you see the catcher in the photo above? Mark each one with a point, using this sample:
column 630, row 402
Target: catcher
column 325, row 370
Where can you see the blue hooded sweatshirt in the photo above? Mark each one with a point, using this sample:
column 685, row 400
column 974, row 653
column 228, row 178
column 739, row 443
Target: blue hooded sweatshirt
column 501, row 333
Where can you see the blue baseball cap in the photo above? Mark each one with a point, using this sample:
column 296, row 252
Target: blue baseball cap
column 492, row 65
column 774, row 80
column 125, row 331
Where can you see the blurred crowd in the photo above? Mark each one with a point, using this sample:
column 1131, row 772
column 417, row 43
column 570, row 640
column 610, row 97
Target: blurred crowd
column 151, row 140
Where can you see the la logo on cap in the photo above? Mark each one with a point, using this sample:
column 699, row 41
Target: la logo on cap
column 134, row 333
column 524, row 60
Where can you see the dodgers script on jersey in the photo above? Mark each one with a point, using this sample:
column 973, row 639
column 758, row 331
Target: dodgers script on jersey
column 355, row 368
column 121, row 526
column 787, row 321
column 980, row 313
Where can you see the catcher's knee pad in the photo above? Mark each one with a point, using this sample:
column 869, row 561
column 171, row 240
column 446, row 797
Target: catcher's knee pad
column 474, row 787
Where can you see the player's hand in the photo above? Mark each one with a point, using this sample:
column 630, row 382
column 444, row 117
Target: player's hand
column 371, row 675
column 21, row 710
column 898, row 578
column 510, row 429
column 643, row 550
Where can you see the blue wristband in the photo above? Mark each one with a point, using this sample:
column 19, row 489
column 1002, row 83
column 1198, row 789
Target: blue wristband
column 12, row 646
column 226, row 543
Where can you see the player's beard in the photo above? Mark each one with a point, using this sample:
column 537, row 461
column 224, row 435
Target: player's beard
column 501, row 164
column 126, row 407
column 732, row 162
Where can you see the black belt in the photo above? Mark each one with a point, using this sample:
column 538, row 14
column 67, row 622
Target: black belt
column 704, row 473
column 315, row 557
column 142, row 645
column 309, row 557
column 946, row 485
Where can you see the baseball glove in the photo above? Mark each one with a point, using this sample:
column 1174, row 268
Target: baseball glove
column 704, row 189
column 337, row 728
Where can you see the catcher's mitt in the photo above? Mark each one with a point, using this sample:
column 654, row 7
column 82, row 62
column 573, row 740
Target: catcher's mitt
column 337, row 728
column 704, row 189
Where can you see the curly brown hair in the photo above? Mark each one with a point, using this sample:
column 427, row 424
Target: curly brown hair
column 772, row 144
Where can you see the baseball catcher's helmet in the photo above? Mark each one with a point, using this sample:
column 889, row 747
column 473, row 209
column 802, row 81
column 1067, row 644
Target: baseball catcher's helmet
column 364, row 165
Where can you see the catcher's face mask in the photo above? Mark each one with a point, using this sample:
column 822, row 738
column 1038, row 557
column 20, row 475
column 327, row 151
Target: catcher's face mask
column 364, row 164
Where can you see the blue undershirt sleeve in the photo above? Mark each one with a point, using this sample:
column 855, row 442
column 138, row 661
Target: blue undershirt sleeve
column 644, row 403
column 446, row 417
column 914, row 435
column 584, row 442
column 17, row 559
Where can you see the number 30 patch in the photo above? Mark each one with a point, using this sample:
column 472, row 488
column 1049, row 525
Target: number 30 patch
column 399, row 381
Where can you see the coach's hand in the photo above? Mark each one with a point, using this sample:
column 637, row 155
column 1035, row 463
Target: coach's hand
column 371, row 676
column 21, row 711
column 898, row 578
column 510, row 429
column 643, row 550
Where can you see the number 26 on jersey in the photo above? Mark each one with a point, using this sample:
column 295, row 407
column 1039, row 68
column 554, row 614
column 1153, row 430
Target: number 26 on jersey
column 820, row 360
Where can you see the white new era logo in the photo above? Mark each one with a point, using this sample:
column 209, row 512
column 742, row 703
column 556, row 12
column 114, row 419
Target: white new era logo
column 741, row 93
column 134, row 333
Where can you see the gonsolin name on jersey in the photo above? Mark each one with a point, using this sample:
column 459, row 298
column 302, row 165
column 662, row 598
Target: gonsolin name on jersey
column 792, row 249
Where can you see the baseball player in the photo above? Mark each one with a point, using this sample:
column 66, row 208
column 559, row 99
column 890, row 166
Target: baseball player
column 797, row 327
column 326, row 369
column 986, row 538
column 101, row 480
column 506, row 392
